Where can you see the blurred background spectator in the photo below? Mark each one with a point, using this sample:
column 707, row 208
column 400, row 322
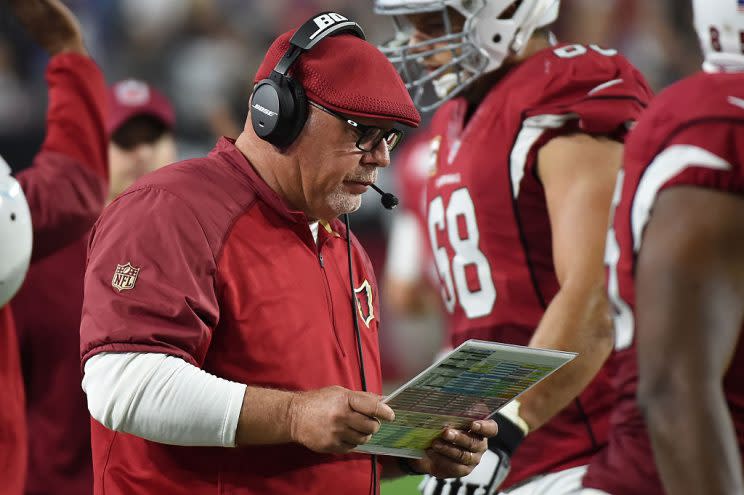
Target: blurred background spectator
column 204, row 53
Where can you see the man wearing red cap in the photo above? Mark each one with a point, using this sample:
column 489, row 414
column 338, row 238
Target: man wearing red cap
column 139, row 125
column 65, row 190
column 218, row 342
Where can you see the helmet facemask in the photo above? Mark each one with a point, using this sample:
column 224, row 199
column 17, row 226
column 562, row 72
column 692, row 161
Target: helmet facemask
column 492, row 31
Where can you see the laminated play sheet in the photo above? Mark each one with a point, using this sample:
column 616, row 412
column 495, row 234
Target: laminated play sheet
column 469, row 383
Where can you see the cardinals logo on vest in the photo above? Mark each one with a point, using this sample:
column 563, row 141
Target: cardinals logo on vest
column 125, row 277
column 365, row 306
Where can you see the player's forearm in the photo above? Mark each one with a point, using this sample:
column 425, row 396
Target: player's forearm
column 265, row 417
column 683, row 419
column 576, row 321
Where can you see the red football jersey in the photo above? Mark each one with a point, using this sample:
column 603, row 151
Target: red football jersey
column 204, row 261
column 692, row 134
column 488, row 221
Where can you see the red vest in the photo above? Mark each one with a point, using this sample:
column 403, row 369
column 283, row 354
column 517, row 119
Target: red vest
column 202, row 260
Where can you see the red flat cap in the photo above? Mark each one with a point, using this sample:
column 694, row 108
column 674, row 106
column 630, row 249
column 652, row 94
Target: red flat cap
column 349, row 75
column 131, row 98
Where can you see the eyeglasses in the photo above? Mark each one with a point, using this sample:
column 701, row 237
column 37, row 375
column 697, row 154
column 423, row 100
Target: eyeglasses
column 369, row 136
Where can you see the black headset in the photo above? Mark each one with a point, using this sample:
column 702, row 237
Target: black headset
column 278, row 103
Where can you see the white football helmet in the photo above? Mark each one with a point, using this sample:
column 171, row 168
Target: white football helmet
column 484, row 42
column 720, row 27
column 15, row 234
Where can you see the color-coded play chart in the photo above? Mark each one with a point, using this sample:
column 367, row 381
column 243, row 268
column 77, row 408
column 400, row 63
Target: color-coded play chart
column 471, row 382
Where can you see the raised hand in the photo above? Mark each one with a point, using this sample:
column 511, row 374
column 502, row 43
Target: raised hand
column 50, row 24
column 335, row 419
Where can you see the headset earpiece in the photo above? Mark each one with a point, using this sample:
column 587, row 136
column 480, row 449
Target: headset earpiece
column 279, row 110
column 301, row 109
column 278, row 103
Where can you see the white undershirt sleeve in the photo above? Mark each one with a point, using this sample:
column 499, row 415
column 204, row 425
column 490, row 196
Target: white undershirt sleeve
column 162, row 398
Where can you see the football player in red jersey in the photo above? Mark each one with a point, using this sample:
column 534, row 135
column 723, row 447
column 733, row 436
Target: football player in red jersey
column 676, row 276
column 530, row 138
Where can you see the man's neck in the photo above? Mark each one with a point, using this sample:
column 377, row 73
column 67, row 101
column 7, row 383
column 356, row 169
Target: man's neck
column 274, row 168
column 259, row 159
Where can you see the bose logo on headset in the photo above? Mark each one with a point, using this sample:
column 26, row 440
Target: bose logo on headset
column 264, row 111
column 279, row 103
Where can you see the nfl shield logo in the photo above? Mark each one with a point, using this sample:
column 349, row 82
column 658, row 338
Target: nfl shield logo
column 363, row 295
column 125, row 277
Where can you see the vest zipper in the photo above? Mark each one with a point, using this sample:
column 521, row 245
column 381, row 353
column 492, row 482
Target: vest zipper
column 329, row 302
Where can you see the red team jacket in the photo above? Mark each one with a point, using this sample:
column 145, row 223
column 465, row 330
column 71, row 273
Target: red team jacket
column 202, row 260
column 489, row 224
column 703, row 112
column 65, row 188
